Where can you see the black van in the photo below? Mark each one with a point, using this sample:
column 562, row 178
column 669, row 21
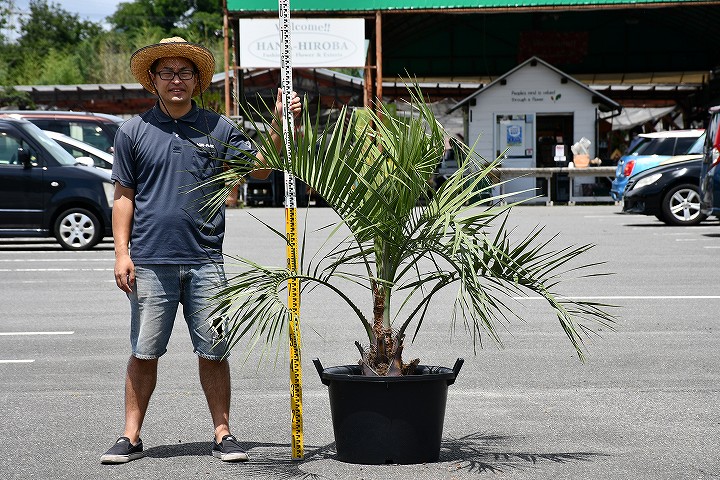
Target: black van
column 46, row 192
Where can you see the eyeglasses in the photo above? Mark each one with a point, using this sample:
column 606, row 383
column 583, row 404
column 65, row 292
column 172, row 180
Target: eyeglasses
column 170, row 75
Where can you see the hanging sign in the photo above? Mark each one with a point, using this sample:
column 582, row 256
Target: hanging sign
column 316, row 43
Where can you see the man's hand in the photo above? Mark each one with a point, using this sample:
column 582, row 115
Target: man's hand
column 295, row 104
column 276, row 131
column 124, row 272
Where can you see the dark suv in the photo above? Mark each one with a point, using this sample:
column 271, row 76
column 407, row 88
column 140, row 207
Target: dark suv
column 45, row 192
column 97, row 129
column 710, row 170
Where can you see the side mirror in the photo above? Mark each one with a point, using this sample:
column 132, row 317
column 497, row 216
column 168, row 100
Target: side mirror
column 87, row 161
column 24, row 158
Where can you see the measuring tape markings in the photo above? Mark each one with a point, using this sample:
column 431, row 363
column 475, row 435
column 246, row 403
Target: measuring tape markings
column 291, row 231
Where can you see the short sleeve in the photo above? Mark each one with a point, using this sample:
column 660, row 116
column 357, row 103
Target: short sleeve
column 238, row 143
column 123, row 170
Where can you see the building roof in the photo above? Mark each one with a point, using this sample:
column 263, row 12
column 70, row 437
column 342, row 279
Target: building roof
column 379, row 5
column 606, row 103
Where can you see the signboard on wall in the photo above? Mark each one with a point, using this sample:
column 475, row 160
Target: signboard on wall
column 316, row 42
column 514, row 135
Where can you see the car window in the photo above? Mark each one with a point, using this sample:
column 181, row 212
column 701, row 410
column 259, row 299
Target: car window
column 9, row 149
column 77, row 153
column 88, row 131
column 683, row 145
column 55, row 150
column 50, row 124
column 636, row 144
column 657, row 146
column 10, row 145
column 697, row 147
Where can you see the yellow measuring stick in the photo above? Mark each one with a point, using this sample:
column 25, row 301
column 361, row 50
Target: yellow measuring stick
column 298, row 450
column 294, row 326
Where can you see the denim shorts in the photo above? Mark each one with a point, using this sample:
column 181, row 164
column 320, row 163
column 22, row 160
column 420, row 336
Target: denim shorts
column 158, row 291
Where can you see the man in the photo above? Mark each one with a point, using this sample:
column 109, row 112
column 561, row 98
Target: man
column 168, row 249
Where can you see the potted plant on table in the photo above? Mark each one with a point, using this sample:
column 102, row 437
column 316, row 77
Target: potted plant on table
column 406, row 245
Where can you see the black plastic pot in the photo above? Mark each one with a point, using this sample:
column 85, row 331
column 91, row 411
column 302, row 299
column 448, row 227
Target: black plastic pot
column 380, row 420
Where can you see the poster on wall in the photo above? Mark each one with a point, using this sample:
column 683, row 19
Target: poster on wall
column 514, row 135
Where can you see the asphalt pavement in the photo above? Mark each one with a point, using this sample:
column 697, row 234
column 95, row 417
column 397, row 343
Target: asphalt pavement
column 644, row 405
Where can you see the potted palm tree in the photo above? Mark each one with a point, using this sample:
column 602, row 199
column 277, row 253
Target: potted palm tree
column 407, row 244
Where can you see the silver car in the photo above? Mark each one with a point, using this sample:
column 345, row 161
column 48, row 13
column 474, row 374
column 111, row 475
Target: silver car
column 82, row 150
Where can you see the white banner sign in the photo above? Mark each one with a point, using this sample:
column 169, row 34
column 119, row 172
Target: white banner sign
column 316, row 43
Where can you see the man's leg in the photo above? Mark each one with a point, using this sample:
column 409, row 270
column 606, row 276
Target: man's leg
column 140, row 382
column 215, row 381
column 202, row 282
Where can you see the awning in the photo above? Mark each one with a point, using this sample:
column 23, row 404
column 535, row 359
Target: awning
column 632, row 117
column 374, row 5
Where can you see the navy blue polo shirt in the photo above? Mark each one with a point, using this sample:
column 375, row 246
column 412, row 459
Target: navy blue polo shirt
column 167, row 163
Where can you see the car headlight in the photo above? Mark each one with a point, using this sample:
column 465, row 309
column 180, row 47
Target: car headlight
column 109, row 189
column 649, row 180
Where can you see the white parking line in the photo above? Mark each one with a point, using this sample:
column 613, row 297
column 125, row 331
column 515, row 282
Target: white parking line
column 17, row 361
column 632, row 297
column 7, row 334
column 24, row 282
column 37, row 260
column 56, row 270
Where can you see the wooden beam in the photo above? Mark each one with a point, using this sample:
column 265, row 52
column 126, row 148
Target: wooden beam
column 378, row 56
column 226, row 59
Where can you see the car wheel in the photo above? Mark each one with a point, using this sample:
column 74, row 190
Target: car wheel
column 681, row 206
column 78, row 229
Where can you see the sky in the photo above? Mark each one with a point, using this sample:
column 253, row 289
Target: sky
column 93, row 10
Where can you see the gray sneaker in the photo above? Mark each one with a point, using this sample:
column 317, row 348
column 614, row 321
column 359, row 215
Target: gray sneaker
column 229, row 450
column 123, row 451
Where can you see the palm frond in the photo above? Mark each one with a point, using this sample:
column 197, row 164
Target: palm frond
column 406, row 240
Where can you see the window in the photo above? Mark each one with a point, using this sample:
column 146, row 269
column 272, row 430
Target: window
column 657, row 146
column 683, row 145
column 9, row 147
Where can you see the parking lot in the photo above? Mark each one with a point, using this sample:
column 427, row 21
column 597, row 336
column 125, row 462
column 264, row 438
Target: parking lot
column 645, row 404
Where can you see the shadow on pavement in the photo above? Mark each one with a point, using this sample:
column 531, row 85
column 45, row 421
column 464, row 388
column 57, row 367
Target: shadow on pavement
column 195, row 449
column 484, row 453
column 473, row 453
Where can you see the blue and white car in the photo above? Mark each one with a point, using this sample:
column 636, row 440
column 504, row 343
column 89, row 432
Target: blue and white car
column 650, row 149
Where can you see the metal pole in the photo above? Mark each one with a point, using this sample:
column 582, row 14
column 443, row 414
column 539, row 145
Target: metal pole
column 291, row 232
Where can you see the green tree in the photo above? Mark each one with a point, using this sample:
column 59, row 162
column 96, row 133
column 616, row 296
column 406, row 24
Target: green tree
column 50, row 38
column 9, row 97
column 169, row 15
column 204, row 27
column 51, row 27
column 7, row 7
column 58, row 68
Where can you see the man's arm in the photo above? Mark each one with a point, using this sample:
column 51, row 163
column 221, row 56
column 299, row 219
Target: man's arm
column 122, row 219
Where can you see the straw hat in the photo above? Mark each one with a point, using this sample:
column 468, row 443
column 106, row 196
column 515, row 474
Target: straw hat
column 142, row 60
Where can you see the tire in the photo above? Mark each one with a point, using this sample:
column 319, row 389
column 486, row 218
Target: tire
column 77, row 229
column 681, row 206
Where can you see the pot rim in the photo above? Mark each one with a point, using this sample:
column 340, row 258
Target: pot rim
column 352, row 373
